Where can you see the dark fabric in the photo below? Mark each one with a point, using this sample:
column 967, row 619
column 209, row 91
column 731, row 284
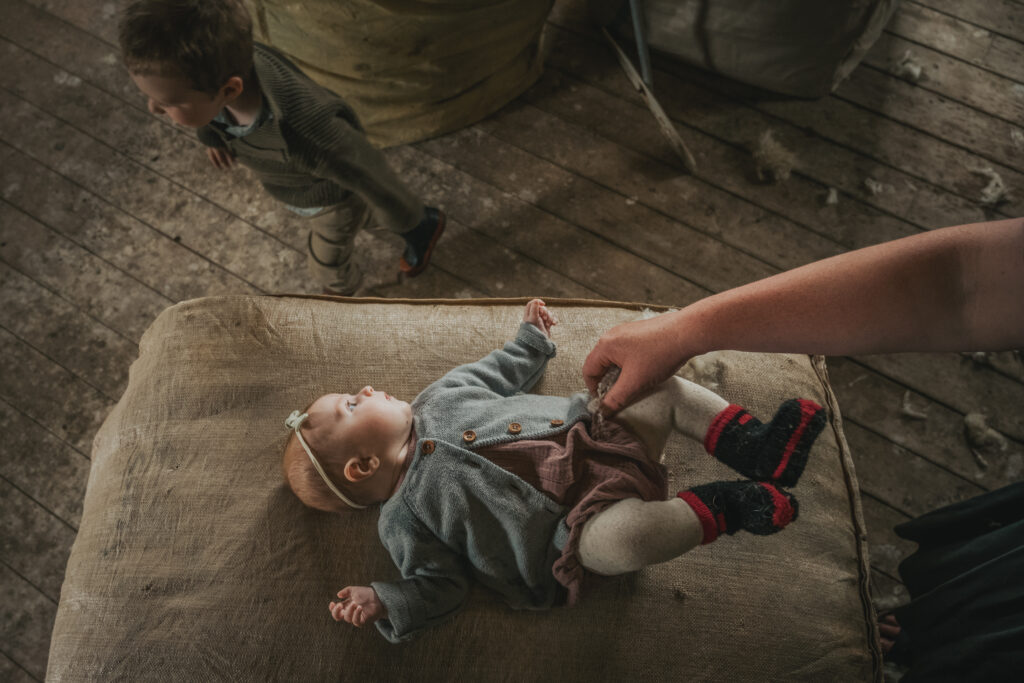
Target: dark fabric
column 965, row 621
column 587, row 473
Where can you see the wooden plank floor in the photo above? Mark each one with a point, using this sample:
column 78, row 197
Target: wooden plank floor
column 108, row 215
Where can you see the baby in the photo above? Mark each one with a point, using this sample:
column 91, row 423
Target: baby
column 478, row 479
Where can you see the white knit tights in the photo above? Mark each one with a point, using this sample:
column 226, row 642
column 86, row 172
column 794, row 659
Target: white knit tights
column 633, row 533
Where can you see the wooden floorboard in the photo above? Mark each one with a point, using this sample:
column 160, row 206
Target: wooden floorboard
column 639, row 183
column 70, row 408
column 108, row 215
column 950, row 77
column 36, row 543
column 12, row 672
column 57, row 481
column 68, row 268
column 988, row 137
column 923, row 426
column 822, row 135
column 1004, row 17
column 25, row 623
column 886, row 548
column 961, row 39
column 722, row 147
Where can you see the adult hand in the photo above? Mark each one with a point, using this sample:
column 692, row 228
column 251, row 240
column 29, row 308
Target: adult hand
column 358, row 605
column 647, row 351
column 220, row 157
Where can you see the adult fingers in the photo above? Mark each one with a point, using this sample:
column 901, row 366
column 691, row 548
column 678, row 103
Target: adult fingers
column 626, row 390
column 595, row 365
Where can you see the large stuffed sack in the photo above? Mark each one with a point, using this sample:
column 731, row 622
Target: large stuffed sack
column 194, row 561
column 411, row 69
column 796, row 47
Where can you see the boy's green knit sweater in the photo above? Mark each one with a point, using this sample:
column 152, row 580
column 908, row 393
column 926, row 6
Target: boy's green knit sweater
column 310, row 151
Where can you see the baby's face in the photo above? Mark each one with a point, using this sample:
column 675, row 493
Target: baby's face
column 368, row 423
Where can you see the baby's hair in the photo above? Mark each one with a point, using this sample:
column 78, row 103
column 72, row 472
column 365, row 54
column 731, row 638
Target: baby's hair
column 206, row 42
column 307, row 484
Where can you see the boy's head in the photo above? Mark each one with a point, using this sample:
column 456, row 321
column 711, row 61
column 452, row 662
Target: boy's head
column 189, row 57
column 360, row 442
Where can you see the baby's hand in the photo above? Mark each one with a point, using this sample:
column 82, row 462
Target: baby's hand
column 539, row 316
column 359, row 606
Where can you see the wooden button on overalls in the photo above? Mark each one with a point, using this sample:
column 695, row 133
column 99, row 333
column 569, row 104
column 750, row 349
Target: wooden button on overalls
column 557, row 423
column 428, row 447
column 515, row 428
column 469, row 436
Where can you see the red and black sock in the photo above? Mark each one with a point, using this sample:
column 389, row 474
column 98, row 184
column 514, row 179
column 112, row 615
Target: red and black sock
column 776, row 451
column 725, row 507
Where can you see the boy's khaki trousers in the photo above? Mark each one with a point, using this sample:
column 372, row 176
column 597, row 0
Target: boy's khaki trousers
column 331, row 241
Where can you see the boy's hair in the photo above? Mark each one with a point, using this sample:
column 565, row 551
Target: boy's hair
column 306, row 483
column 206, row 42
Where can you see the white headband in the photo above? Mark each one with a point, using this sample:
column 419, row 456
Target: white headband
column 295, row 421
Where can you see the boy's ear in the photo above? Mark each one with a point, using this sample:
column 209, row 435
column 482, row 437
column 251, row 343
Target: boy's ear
column 232, row 88
column 358, row 469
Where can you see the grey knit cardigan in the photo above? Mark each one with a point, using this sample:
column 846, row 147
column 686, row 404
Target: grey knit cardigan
column 458, row 516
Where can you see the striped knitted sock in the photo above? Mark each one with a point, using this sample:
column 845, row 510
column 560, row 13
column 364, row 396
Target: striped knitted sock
column 776, row 451
column 725, row 507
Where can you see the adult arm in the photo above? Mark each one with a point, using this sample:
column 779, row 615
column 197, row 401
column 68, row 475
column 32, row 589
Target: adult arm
column 952, row 289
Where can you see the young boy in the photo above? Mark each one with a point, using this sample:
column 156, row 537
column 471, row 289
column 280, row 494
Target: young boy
column 197, row 63
column 478, row 479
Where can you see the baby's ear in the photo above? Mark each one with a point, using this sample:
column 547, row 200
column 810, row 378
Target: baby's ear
column 357, row 469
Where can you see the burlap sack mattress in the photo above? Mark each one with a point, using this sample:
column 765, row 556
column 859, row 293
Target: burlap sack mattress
column 194, row 562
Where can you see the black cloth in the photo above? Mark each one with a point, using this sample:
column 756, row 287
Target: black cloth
column 965, row 621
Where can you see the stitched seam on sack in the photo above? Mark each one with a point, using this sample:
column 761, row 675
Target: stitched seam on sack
column 856, row 516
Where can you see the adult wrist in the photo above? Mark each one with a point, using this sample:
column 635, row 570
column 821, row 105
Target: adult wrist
column 691, row 332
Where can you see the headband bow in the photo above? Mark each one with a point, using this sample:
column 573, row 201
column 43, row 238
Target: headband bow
column 295, row 421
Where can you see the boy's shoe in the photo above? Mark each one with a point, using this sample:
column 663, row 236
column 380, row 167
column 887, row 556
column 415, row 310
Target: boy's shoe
column 420, row 242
